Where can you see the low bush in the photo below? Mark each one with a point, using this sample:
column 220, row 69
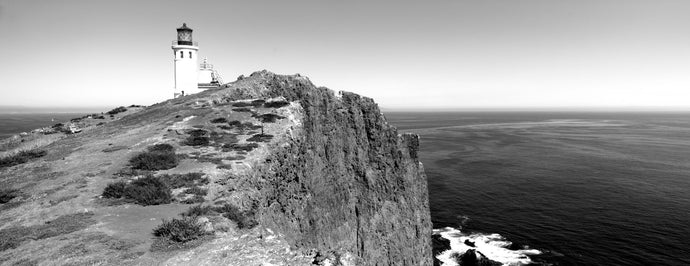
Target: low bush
column 276, row 104
column 260, row 138
column 8, row 194
column 243, row 219
column 198, row 210
column 268, row 118
column 197, row 137
column 148, row 190
column 117, row 110
column 243, row 109
column 254, row 103
column 184, row 180
column 21, row 157
column 157, row 157
column 196, row 191
column 239, row 125
column 115, row 190
column 194, row 200
column 180, row 230
column 219, row 120
column 240, row 147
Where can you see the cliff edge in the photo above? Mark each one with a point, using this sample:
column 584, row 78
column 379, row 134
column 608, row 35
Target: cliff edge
column 317, row 177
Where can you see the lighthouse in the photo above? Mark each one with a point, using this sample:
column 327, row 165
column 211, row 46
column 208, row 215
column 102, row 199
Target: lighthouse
column 186, row 62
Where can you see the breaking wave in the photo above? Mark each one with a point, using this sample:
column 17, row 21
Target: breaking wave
column 493, row 246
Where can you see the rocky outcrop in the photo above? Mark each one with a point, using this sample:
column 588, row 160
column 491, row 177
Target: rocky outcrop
column 327, row 179
column 347, row 183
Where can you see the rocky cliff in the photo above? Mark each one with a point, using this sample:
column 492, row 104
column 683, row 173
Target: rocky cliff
column 327, row 180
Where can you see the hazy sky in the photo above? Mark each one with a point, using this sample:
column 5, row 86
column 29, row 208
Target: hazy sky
column 426, row 54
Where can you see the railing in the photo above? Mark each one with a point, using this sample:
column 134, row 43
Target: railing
column 185, row 43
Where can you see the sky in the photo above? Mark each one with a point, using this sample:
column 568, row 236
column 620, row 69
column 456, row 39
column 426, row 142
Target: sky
column 404, row 54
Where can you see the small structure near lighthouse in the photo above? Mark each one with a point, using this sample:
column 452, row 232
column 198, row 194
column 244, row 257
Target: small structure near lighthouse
column 189, row 79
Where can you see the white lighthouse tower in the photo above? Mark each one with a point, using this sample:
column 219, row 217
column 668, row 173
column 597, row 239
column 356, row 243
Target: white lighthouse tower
column 186, row 62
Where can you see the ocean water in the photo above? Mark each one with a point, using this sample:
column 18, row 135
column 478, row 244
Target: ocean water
column 11, row 124
column 559, row 188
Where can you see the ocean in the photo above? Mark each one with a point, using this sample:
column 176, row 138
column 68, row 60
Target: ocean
column 15, row 123
column 558, row 188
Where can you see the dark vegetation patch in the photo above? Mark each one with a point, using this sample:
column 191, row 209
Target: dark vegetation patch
column 268, row 118
column 135, row 105
column 240, row 147
column 219, row 120
column 127, row 172
column 114, row 148
column 185, row 180
column 196, row 191
column 260, row 138
column 148, row 190
column 239, row 125
column 276, row 104
column 243, row 109
column 181, row 230
column 6, row 195
column 243, row 219
column 117, row 110
column 197, row 137
column 198, row 210
column 254, row 103
column 21, row 157
column 14, row 236
column 157, row 157
column 194, row 200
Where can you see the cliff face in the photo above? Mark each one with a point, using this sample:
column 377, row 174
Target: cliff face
column 348, row 182
column 323, row 174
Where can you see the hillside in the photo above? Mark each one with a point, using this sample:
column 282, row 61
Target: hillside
column 270, row 170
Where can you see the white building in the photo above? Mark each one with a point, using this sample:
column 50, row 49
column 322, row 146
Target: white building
column 189, row 78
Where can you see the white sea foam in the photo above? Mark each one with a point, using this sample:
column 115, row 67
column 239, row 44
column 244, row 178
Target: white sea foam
column 493, row 246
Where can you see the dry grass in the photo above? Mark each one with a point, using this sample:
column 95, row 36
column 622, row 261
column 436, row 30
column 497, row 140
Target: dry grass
column 14, row 236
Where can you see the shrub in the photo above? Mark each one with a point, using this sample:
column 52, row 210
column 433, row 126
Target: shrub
column 198, row 210
column 117, row 110
column 162, row 148
column 254, row 103
column 184, row 180
column 149, row 190
column 196, row 191
column 219, row 120
column 197, row 137
column 260, row 138
column 269, row 118
column 115, row 190
column 243, row 219
column 194, row 200
column 8, row 194
column 243, row 109
column 180, row 230
column 276, row 104
column 21, row 157
column 241, row 147
column 158, row 157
